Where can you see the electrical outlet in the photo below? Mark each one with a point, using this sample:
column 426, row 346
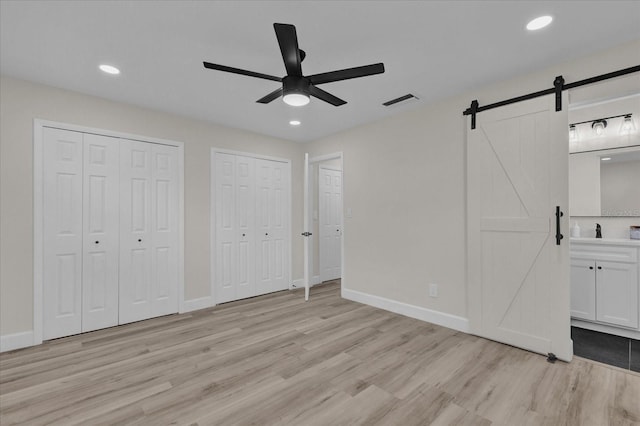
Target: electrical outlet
column 433, row 290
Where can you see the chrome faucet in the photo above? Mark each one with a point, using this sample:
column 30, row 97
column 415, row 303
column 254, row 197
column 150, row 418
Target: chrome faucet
column 598, row 231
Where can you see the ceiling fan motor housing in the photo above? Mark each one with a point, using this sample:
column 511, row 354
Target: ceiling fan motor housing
column 294, row 84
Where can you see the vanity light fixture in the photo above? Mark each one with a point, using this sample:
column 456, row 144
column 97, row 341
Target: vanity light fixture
column 598, row 126
column 109, row 69
column 539, row 22
column 627, row 125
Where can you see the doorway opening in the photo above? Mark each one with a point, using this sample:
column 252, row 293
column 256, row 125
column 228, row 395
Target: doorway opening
column 324, row 218
column 604, row 166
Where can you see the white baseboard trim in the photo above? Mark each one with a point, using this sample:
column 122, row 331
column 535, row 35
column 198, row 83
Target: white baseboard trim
column 13, row 341
column 195, row 304
column 299, row 283
column 417, row 312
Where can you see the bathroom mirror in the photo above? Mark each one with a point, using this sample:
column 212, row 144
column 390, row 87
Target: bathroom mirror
column 605, row 182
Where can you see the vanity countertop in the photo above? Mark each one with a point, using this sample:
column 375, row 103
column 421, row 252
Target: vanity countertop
column 609, row 241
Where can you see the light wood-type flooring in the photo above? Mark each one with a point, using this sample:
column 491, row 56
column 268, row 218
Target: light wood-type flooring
column 278, row 360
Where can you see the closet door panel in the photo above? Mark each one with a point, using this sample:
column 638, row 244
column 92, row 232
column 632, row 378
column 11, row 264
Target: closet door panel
column 245, row 223
column 279, row 211
column 101, row 232
column 62, row 228
column 264, row 218
column 164, row 259
column 226, row 232
column 135, row 231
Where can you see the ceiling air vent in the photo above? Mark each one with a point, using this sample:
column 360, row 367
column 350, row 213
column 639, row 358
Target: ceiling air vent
column 400, row 99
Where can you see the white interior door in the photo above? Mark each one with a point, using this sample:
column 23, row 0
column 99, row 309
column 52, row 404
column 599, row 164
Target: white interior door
column 517, row 173
column 135, row 231
column 245, row 206
column 330, row 206
column 272, row 226
column 62, row 232
column 164, row 227
column 101, row 224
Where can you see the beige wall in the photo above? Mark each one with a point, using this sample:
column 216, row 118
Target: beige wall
column 404, row 180
column 21, row 102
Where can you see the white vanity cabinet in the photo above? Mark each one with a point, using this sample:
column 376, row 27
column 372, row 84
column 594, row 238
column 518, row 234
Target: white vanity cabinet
column 604, row 282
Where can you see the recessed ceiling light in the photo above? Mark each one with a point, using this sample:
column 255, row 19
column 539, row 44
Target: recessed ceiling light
column 539, row 22
column 109, row 69
column 294, row 122
column 606, row 158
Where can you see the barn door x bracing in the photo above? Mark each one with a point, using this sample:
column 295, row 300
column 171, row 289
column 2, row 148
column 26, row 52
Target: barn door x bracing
column 518, row 275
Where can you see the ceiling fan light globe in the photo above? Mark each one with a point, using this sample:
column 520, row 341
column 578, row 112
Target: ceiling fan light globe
column 295, row 99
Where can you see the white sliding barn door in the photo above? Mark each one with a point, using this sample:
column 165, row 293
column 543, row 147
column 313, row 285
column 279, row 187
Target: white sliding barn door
column 272, row 223
column 135, row 231
column 330, row 204
column 62, row 233
column 518, row 277
column 100, row 254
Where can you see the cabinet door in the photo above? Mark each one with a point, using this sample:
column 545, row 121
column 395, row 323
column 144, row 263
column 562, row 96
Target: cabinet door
column 62, row 229
column 617, row 293
column 100, row 254
column 135, row 231
column 583, row 289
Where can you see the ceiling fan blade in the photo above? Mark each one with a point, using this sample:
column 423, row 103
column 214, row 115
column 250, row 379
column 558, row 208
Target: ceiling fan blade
column 288, row 41
column 325, row 96
column 346, row 74
column 271, row 96
column 225, row 68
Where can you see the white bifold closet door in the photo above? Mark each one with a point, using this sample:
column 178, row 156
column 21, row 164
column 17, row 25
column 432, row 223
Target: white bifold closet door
column 251, row 226
column 272, row 226
column 235, row 226
column 148, row 231
column 110, row 231
column 80, row 232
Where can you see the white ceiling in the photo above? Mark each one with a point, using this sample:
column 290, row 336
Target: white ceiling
column 433, row 49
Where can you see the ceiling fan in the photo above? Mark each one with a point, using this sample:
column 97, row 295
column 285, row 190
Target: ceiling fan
column 296, row 88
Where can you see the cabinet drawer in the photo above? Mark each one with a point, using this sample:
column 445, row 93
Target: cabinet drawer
column 604, row 252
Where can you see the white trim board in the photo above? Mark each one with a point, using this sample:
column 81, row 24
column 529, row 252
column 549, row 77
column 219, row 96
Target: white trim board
column 196, row 304
column 10, row 342
column 38, row 261
column 424, row 314
column 299, row 283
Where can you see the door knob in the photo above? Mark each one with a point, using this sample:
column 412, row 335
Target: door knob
column 97, row 242
column 599, row 267
column 139, row 240
column 243, row 235
column 266, row 233
column 590, row 267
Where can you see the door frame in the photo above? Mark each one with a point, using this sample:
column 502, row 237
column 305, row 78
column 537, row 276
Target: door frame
column 309, row 216
column 212, row 210
column 321, row 167
column 38, row 209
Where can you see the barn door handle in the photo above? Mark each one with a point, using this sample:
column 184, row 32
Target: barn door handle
column 559, row 236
